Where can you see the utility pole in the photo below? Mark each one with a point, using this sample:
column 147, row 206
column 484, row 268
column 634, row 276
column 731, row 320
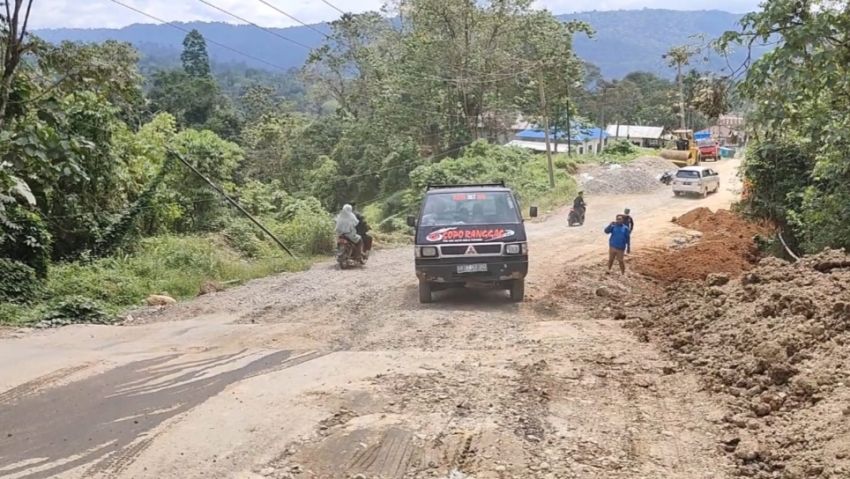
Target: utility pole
column 569, row 127
column 546, row 134
column 602, row 126
column 681, row 82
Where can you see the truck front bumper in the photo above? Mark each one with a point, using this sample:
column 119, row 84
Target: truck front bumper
column 446, row 271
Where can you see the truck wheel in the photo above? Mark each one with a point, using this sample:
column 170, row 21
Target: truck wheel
column 517, row 290
column 425, row 295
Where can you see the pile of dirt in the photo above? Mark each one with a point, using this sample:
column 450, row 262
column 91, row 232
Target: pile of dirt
column 727, row 245
column 639, row 176
column 775, row 345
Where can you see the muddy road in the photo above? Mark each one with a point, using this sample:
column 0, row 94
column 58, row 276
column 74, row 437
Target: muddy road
column 329, row 374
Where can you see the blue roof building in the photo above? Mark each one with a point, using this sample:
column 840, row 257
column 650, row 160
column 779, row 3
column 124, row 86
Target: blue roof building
column 583, row 140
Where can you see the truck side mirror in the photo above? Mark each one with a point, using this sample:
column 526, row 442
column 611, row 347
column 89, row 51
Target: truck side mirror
column 533, row 212
column 411, row 221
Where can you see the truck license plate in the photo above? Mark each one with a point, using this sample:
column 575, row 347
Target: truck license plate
column 687, row 183
column 472, row 268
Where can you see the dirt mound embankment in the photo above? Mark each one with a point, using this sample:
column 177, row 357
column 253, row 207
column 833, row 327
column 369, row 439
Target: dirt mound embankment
column 727, row 245
column 775, row 344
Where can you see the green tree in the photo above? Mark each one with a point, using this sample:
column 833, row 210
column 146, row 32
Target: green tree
column 196, row 61
column 798, row 94
column 679, row 57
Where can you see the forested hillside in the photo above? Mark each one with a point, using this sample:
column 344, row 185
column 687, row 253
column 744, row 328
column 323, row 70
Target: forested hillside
column 97, row 209
column 625, row 41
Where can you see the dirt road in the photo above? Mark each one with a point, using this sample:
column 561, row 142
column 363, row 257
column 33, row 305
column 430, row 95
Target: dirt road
column 344, row 374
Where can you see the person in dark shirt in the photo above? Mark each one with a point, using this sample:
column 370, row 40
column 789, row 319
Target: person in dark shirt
column 630, row 222
column 579, row 203
column 618, row 240
column 362, row 229
column 580, row 206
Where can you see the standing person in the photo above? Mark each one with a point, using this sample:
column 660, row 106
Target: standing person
column 630, row 222
column 618, row 240
column 362, row 229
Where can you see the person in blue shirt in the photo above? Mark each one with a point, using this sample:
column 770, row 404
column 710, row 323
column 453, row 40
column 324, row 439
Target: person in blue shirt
column 619, row 238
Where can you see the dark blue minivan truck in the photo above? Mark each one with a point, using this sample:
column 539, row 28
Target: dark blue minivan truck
column 470, row 235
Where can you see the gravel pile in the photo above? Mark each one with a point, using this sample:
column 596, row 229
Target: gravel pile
column 639, row 176
column 775, row 343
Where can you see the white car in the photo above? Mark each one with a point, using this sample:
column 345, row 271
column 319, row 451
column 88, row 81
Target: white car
column 698, row 180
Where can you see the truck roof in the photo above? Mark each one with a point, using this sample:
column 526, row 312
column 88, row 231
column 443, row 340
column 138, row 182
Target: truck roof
column 466, row 189
column 436, row 189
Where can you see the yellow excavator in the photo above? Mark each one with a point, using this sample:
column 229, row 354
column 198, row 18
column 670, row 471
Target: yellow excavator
column 686, row 152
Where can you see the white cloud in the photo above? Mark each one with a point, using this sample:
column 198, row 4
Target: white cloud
column 105, row 13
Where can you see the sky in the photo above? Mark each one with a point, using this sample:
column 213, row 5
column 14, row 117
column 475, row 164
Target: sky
column 106, row 13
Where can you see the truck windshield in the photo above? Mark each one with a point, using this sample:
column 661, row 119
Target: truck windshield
column 479, row 208
column 687, row 174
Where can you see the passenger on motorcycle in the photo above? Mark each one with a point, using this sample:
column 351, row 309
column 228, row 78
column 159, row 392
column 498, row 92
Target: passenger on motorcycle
column 362, row 229
column 346, row 225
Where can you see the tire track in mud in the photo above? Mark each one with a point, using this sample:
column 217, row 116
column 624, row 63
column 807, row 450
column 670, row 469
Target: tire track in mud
column 106, row 421
column 37, row 385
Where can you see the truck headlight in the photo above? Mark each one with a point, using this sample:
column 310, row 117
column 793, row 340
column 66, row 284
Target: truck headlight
column 428, row 251
column 514, row 248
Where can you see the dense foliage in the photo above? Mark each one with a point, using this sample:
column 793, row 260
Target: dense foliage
column 96, row 211
column 798, row 168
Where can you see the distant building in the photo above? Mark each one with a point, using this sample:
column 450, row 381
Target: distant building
column 643, row 136
column 585, row 140
column 729, row 130
column 735, row 122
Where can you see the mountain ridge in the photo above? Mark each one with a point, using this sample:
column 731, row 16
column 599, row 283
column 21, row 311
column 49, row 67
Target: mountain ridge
column 625, row 40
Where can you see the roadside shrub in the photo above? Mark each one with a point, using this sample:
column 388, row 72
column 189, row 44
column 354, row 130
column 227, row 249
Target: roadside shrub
column 11, row 313
column 309, row 232
column 25, row 237
column 244, row 237
column 567, row 164
column 18, row 282
column 75, row 310
column 622, row 147
column 393, row 224
column 175, row 265
column 525, row 172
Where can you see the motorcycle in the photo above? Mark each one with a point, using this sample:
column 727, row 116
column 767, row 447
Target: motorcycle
column 666, row 178
column 348, row 254
column 576, row 217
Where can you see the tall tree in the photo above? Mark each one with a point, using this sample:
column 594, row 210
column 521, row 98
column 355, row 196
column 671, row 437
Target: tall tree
column 14, row 44
column 679, row 57
column 196, row 61
column 799, row 97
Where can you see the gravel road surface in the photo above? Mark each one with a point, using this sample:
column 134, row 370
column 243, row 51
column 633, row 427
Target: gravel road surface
column 343, row 374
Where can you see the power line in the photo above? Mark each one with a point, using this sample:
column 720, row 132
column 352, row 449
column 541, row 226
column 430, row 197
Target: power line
column 178, row 27
column 311, row 27
column 326, row 2
column 267, row 30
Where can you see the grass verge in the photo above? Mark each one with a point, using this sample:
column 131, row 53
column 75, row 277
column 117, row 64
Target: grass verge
column 174, row 265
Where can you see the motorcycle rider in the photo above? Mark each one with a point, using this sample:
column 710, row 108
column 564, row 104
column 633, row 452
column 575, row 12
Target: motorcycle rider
column 580, row 206
column 346, row 225
column 362, row 229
